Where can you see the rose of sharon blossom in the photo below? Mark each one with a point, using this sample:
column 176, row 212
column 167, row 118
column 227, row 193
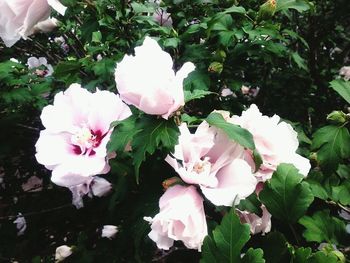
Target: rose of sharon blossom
column 77, row 129
column 148, row 81
column 181, row 217
column 208, row 158
column 19, row 17
column 62, row 252
column 257, row 224
column 109, row 231
column 345, row 72
column 274, row 139
column 34, row 62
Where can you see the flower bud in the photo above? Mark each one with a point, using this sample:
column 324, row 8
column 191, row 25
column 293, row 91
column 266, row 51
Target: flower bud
column 337, row 117
column 215, row 67
column 62, row 252
column 267, row 10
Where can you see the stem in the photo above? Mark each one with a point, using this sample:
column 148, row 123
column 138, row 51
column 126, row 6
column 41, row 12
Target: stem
column 294, row 233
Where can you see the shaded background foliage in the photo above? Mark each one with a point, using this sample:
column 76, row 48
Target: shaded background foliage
column 290, row 56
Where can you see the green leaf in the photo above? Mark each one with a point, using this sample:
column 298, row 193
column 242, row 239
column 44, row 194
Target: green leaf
column 67, row 71
column 323, row 227
column 342, row 87
column 197, row 80
column 210, row 253
column 321, row 257
column 123, row 133
column 275, row 247
column 251, row 204
column 153, row 134
column 234, row 132
column 254, row 256
column 299, row 5
column 230, row 237
column 196, row 94
column 299, row 61
column 285, row 195
column 332, row 143
column 301, row 255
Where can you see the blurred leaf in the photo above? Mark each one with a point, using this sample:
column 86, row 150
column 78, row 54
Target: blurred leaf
column 323, row 227
column 196, row 94
column 299, row 5
column 285, row 195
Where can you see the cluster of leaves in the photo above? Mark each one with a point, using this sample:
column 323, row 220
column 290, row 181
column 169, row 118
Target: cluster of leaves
column 289, row 49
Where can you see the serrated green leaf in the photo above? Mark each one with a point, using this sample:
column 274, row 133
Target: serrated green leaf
column 299, row 61
column 196, row 94
column 301, row 255
column 332, row 143
column 153, row 134
column 275, row 247
column 321, row 257
column 234, row 132
column 251, row 204
column 254, row 256
column 323, row 227
column 209, row 251
column 230, row 237
column 123, row 133
column 342, row 87
column 285, row 195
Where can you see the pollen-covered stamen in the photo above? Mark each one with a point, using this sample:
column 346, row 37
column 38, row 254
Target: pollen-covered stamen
column 202, row 166
column 85, row 140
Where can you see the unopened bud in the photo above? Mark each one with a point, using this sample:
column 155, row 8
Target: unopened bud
column 216, row 67
column 171, row 182
column 338, row 117
column 267, row 10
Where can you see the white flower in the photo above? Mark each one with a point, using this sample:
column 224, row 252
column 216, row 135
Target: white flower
column 62, row 252
column 109, row 231
column 21, row 224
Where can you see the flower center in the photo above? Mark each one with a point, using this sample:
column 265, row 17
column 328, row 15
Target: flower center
column 85, row 140
column 202, row 166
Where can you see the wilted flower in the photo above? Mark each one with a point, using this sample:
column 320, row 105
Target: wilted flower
column 275, row 140
column 93, row 186
column 62, row 252
column 34, row 62
column 181, row 217
column 21, row 224
column 74, row 147
column 34, row 184
column 256, row 223
column 208, row 158
column 148, row 81
column 18, row 18
column 109, row 231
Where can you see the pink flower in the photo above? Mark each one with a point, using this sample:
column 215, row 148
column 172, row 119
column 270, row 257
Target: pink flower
column 147, row 80
column 34, row 62
column 93, row 186
column 163, row 17
column 274, row 139
column 181, row 217
column 257, row 224
column 77, row 129
column 208, row 158
column 19, row 17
